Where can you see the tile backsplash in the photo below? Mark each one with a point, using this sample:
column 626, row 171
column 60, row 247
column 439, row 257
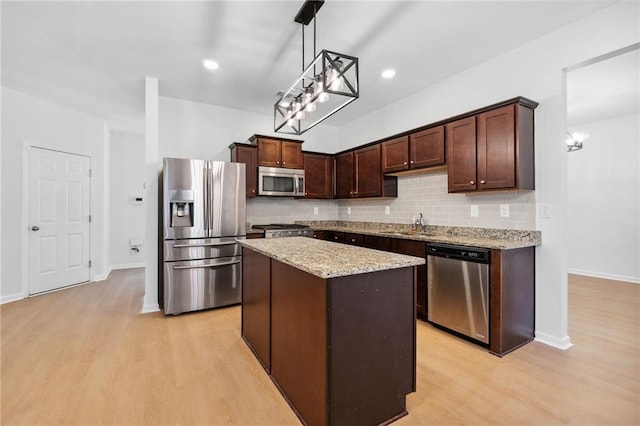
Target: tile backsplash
column 422, row 193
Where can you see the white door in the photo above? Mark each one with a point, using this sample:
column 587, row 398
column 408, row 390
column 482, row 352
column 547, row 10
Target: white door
column 59, row 221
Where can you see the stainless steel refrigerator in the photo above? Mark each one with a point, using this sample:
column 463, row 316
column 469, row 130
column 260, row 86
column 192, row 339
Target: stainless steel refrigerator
column 203, row 210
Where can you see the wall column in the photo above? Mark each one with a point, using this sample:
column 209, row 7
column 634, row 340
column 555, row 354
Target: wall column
column 152, row 164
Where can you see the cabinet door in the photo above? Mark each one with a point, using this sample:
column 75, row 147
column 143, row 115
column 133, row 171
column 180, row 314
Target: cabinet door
column 336, row 236
column 249, row 156
column 353, row 239
column 321, row 235
column 318, row 175
column 377, row 243
column 269, row 152
column 291, row 155
column 496, row 149
column 417, row 249
column 461, row 154
column 426, row 148
column 395, row 155
column 344, row 175
column 368, row 171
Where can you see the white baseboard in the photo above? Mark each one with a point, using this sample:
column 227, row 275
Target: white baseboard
column 615, row 277
column 12, row 298
column 563, row 343
column 102, row 277
column 128, row 266
column 151, row 307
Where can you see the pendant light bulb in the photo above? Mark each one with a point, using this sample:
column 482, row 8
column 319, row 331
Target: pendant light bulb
column 319, row 87
column 335, row 79
column 298, row 108
column 308, row 98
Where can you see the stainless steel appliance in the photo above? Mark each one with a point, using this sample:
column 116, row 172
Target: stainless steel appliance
column 279, row 230
column 203, row 214
column 458, row 289
column 280, row 182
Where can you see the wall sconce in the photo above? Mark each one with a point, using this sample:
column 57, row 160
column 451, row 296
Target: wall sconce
column 575, row 140
column 326, row 85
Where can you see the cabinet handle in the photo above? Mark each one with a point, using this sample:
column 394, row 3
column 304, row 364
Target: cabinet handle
column 353, row 240
column 472, row 182
column 277, row 162
column 411, row 162
column 284, row 162
column 482, row 181
column 405, row 163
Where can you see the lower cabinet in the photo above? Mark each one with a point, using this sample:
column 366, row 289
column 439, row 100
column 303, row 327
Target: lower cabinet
column 417, row 249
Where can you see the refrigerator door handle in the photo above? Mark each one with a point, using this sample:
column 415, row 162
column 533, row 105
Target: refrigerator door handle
column 228, row 243
column 211, row 265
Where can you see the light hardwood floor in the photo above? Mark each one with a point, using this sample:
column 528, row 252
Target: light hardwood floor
column 87, row 356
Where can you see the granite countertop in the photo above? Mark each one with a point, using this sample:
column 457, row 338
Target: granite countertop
column 502, row 239
column 325, row 259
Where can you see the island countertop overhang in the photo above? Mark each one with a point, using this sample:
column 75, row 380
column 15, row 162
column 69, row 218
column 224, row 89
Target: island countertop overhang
column 326, row 259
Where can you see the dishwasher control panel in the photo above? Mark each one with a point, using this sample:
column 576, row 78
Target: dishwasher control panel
column 471, row 254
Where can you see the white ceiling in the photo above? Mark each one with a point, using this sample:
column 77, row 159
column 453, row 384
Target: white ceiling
column 93, row 56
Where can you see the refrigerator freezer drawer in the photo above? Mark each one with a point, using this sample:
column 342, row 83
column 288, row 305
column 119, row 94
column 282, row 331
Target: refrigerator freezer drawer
column 202, row 284
column 202, row 248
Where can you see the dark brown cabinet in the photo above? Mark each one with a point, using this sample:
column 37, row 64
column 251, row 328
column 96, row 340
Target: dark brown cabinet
column 344, row 175
column 321, row 235
column 353, row 239
column 421, row 149
column 358, row 174
column 247, row 154
column 492, row 150
column 376, row 243
column 273, row 152
column 318, row 175
column 417, row 249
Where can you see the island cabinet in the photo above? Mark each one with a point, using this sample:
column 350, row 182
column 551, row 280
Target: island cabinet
column 359, row 175
column 340, row 349
column 492, row 150
column 318, row 175
column 418, row 150
column 247, row 154
column 278, row 152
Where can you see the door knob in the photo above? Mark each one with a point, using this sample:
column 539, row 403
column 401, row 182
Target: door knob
column 35, row 228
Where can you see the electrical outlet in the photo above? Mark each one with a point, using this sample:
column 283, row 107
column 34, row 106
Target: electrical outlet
column 316, row 210
column 544, row 210
column 474, row 210
column 387, row 210
column 504, row 210
column 348, row 210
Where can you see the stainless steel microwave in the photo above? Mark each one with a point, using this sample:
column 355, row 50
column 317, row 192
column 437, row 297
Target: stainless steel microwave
column 280, row 182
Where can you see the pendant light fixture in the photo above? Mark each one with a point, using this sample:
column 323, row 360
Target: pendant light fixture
column 326, row 85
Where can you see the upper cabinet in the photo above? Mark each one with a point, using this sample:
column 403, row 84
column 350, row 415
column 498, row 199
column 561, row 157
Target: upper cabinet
column 420, row 149
column 492, row 150
column 277, row 152
column 358, row 174
column 247, row 154
column 318, row 175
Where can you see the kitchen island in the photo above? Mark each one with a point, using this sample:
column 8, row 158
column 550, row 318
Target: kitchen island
column 334, row 327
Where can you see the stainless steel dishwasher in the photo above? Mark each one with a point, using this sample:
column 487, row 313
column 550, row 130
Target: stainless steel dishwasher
column 458, row 289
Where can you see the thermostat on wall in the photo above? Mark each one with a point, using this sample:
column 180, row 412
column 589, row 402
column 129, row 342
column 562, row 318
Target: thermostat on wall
column 136, row 201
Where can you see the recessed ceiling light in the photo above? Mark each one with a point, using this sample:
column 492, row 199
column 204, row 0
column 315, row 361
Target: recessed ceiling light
column 210, row 64
column 388, row 73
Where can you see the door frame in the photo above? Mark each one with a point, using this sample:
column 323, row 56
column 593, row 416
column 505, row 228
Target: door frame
column 26, row 148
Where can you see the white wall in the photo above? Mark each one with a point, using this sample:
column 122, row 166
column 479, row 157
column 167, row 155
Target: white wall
column 604, row 205
column 127, row 180
column 27, row 119
column 534, row 70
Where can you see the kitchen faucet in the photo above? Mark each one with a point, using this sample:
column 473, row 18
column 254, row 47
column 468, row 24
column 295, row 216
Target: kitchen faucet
column 421, row 223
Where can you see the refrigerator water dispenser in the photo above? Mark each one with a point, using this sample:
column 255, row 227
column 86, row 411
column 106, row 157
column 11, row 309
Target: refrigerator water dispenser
column 181, row 206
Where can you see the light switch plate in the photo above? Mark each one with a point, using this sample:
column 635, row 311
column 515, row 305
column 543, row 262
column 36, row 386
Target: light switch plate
column 474, row 210
column 544, row 210
column 504, row 210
